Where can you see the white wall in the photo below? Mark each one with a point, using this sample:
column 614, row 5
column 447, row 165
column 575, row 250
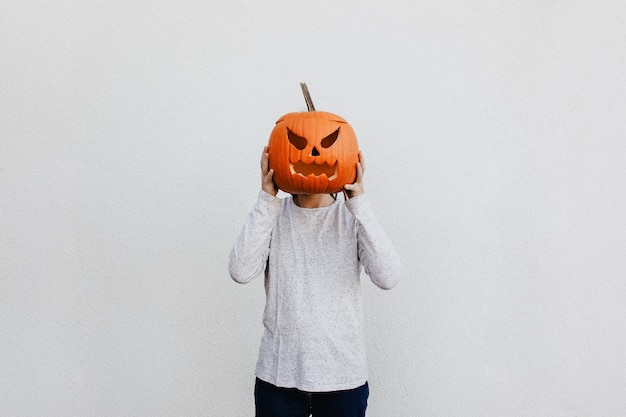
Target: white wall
column 494, row 133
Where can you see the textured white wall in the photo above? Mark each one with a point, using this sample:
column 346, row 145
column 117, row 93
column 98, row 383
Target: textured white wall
column 494, row 137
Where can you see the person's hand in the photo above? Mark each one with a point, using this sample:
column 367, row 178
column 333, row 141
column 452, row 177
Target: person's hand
column 267, row 175
column 352, row 190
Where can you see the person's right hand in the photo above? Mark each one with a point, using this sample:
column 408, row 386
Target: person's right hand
column 267, row 175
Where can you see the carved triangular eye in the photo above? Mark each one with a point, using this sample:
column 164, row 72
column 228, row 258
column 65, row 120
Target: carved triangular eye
column 328, row 141
column 298, row 141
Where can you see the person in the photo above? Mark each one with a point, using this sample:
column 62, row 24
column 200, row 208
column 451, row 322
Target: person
column 310, row 248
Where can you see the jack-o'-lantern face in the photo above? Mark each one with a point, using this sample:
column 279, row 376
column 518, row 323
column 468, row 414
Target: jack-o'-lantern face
column 313, row 153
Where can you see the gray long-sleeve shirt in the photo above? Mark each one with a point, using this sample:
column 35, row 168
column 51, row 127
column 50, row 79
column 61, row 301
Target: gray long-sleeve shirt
column 311, row 259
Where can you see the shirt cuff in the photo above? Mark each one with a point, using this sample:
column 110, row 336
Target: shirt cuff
column 358, row 205
column 270, row 201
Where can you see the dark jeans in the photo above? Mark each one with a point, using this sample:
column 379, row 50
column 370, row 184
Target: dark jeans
column 272, row 401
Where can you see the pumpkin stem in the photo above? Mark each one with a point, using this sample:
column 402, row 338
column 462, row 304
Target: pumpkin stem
column 307, row 97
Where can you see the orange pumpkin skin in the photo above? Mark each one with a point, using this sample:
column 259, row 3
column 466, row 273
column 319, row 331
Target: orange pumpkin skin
column 313, row 152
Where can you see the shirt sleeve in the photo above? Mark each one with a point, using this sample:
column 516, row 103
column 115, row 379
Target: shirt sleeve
column 248, row 257
column 376, row 251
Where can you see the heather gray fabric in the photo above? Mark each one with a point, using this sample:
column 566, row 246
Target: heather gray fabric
column 311, row 258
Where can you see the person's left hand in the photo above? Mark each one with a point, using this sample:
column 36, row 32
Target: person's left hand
column 267, row 175
column 356, row 188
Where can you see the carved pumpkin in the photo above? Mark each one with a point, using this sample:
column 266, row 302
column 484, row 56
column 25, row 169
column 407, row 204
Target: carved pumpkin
column 312, row 152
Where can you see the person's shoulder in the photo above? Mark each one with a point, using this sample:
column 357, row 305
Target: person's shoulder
column 287, row 200
column 343, row 210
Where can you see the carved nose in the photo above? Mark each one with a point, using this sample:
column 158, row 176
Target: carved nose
column 315, row 152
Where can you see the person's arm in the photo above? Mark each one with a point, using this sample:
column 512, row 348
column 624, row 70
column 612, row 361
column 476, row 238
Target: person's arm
column 248, row 256
column 376, row 251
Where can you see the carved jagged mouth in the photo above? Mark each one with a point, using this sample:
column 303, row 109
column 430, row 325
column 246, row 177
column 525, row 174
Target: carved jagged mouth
column 316, row 169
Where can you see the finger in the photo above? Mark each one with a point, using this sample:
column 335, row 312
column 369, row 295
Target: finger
column 359, row 172
column 264, row 161
column 268, row 177
column 362, row 161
